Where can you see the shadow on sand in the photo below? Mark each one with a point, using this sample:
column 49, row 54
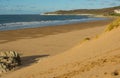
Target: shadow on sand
column 28, row 60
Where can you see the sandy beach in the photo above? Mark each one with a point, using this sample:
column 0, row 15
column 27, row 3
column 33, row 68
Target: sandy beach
column 59, row 43
column 59, row 39
column 49, row 40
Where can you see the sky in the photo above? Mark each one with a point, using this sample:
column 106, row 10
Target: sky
column 41, row 6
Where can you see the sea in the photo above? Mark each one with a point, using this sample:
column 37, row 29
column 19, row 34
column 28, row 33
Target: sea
column 14, row 22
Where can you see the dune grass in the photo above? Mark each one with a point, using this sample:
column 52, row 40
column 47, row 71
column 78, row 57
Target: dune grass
column 113, row 25
column 85, row 39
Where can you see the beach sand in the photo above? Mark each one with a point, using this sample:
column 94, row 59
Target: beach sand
column 49, row 40
column 62, row 44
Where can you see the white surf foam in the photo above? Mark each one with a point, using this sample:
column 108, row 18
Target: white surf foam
column 33, row 24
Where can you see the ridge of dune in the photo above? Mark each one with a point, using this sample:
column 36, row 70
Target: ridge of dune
column 86, row 57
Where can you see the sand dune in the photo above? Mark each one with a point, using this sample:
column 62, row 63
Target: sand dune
column 97, row 58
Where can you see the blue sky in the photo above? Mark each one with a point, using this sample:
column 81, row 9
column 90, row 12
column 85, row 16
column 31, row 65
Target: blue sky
column 40, row 6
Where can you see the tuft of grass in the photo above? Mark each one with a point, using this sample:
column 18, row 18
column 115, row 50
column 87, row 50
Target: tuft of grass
column 113, row 25
column 85, row 39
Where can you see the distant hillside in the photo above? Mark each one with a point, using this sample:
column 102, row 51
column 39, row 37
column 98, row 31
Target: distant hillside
column 104, row 11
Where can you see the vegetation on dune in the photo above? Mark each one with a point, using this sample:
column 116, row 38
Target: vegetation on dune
column 114, row 14
column 85, row 39
column 113, row 25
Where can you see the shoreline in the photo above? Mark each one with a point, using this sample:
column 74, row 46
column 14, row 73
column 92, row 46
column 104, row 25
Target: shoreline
column 37, row 24
column 109, row 19
column 38, row 43
column 64, row 45
column 69, row 14
column 49, row 40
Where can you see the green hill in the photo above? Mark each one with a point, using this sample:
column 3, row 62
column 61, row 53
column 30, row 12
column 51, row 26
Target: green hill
column 103, row 11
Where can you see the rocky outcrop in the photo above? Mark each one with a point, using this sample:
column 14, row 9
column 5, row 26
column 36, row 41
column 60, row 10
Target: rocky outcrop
column 9, row 60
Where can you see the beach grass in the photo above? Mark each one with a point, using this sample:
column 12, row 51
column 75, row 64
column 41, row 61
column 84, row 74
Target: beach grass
column 113, row 25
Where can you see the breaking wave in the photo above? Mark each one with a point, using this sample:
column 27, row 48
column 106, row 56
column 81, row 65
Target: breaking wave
column 34, row 24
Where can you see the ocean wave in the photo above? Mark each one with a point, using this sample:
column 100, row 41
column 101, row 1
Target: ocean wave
column 33, row 24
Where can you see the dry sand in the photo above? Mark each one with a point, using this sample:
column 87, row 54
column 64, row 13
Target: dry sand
column 49, row 40
column 71, row 59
